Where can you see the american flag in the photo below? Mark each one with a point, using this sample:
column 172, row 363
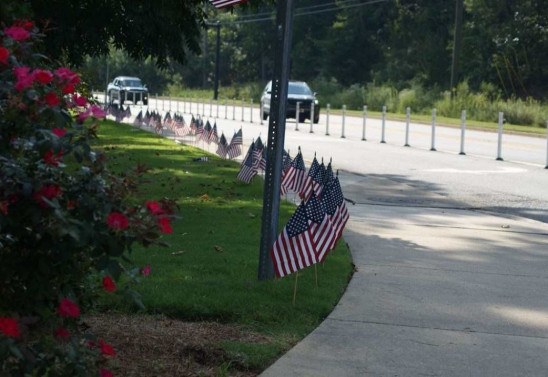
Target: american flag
column 225, row 3
column 295, row 175
column 207, row 132
column 335, row 208
column 308, row 186
column 199, row 129
column 286, row 163
column 258, row 155
column 320, row 226
column 235, row 146
column 138, row 121
column 213, row 136
column 294, row 249
column 247, row 172
column 180, row 126
column 328, row 176
column 222, row 148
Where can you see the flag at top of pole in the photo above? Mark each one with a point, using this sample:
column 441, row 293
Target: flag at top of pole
column 225, row 3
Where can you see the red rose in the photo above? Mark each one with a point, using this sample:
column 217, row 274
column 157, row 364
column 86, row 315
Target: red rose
column 145, row 271
column 24, row 78
column 53, row 159
column 17, row 33
column 52, row 99
column 43, row 76
column 61, row 333
column 59, row 132
column 66, row 75
column 48, row 192
column 154, row 207
column 106, row 349
column 105, row 373
column 4, row 55
column 4, row 205
column 108, row 284
column 80, row 100
column 25, row 24
column 68, row 308
column 165, row 225
column 68, row 89
column 9, row 327
column 117, row 221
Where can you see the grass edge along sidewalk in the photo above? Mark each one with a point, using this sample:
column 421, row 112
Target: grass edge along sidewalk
column 209, row 271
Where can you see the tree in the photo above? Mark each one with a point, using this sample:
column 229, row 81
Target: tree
column 161, row 29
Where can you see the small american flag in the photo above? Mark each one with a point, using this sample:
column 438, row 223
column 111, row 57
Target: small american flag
column 295, row 175
column 308, row 185
column 335, row 208
column 225, row 3
column 222, row 147
column 286, row 163
column 213, row 136
column 138, row 121
column 235, row 146
column 320, row 226
column 258, row 155
column 247, row 172
column 294, row 249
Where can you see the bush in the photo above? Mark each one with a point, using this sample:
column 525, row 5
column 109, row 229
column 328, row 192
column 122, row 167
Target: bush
column 378, row 96
column 66, row 226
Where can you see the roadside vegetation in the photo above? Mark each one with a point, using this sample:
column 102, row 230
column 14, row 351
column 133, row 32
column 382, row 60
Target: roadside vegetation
column 208, row 273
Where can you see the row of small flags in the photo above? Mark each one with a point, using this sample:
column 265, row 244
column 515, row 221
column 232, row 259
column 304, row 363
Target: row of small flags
column 202, row 131
column 319, row 220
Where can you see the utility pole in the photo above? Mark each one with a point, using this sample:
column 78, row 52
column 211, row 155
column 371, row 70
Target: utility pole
column 276, row 134
column 217, row 59
column 457, row 42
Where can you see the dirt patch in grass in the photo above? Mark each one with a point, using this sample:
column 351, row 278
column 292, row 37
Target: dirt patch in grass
column 159, row 346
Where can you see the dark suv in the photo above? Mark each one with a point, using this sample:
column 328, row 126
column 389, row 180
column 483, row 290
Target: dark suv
column 125, row 88
column 298, row 91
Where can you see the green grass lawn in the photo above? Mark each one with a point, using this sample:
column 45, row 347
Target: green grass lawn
column 209, row 270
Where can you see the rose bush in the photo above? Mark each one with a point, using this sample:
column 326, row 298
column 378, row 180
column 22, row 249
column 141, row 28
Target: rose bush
column 67, row 224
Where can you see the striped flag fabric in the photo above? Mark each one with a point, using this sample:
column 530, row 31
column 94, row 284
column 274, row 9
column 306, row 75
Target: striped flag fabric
column 296, row 174
column 308, row 186
column 213, row 135
column 207, row 132
column 247, row 172
column 294, row 249
column 138, row 121
column 286, row 163
column 235, row 146
column 222, row 148
column 225, row 3
column 335, row 208
column 258, row 155
column 320, row 227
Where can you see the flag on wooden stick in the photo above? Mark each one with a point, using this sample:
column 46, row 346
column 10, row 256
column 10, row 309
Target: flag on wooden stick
column 294, row 249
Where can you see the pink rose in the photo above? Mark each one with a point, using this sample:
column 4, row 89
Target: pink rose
column 17, row 33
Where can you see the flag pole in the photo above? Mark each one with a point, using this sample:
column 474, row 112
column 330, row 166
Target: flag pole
column 295, row 287
column 275, row 141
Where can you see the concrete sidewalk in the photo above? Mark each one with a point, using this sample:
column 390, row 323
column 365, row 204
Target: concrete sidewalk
column 437, row 292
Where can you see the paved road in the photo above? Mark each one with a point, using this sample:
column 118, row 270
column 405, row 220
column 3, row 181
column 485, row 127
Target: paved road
column 451, row 267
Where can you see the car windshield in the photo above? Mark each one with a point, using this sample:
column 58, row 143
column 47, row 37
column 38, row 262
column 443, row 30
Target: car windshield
column 133, row 82
column 299, row 88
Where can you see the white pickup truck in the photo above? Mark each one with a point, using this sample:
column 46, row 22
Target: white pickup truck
column 126, row 88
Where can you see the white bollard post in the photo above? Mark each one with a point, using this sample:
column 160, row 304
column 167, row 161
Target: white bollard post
column 462, row 131
column 499, row 143
column 210, row 109
column 433, row 141
column 226, row 108
column 546, row 167
column 177, row 106
column 233, row 109
column 169, row 106
column 156, row 105
column 217, row 103
column 343, row 121
column 163, row 103
column 251, row 111
column 242, row 103
column 407, row 120
column 297, row 113
column 261, row 112
column 383, row 125
column 327, row 119
column 312, row 117
column 364, row 122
